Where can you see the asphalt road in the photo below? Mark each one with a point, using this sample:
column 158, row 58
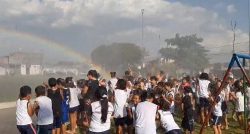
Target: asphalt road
column 8, row 121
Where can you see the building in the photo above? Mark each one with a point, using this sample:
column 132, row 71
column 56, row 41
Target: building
column 3, row 71
column 23, row 63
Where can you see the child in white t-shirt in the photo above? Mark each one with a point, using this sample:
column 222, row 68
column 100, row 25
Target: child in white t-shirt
column 120, row 106
column 73, row 103
column 167, row 119
column 24, row 111
column 217, row 115
column 101, row 114
column 146, row 115
column 136, row 98
column 44, row 111
column 170, row 95
column 239, row 98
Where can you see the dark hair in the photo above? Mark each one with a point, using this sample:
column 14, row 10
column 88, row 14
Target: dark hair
column 113, row 74
column 121, row 84
column 82, row 83
column 40, row 91
column 24, row 91
column 69, row 82
column 165, row 105
column 238, row 87
column 153, row 78
column 161, row 84
column 187, row 90
column 147, row 95
column 169, row 84
column 127, row 73
column 60, row 81
column 52, row 82
column 204, row 76
column 137, row 92
column 162, row 72
column 93, row 73
column 101, row 95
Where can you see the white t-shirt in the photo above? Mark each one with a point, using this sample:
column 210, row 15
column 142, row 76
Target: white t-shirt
column 45, row 113
column 217, row 108
column 120, row 104
column 96, row 124
column 203, row 91
column 167, row 121
column 145, row 118
column 240, row 102
column 113, row 82
column 74, row 102
column 22, row 116
column 171, row 93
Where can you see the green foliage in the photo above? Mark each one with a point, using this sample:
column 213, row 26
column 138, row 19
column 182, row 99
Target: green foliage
column 187, row 52
column 117, row 55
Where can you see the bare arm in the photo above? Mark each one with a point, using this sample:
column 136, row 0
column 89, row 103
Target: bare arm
column 30, row 109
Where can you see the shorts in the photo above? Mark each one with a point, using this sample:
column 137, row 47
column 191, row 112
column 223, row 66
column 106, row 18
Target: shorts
column 105, row 132
column 65, row 116
column 204, row 103
column 44, row 129
column 239, row 113
column 188, row 124
column 216, row 120
column 121, row 121
column 175, row 131
column 130, row 121
column 26, row 129
column 73, row 109
column 57, row 123
column 224, row 107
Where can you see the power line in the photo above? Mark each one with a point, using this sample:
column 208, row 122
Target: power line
column 238, row 44
column 219, row 46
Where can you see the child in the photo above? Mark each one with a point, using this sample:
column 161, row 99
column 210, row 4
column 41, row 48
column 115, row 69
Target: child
column 73, row 103
column 44, row 111
column 85, row 104
column 65, row 104
column 239, row 98
column 24, row 111
column 188, row 108
column 131, row 111
column 217, row 116
column 170, row 95
column 167, row 119
column 224, row 100
column 101, row 114
column 120, row 104
column 146, row 115
column 55, row 95
column 203, row 96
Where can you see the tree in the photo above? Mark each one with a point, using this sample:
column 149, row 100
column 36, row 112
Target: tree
column 187, row 52
column 117, row 55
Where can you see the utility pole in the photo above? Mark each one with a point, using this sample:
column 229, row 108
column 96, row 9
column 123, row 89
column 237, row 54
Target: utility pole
column 233, row 25
column 142, row 28
column 249, row 32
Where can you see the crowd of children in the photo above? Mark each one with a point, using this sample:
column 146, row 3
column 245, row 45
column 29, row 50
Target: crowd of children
column 135, row 105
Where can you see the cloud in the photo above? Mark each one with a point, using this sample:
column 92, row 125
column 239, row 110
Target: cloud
column 94, row 22
column 231, row 9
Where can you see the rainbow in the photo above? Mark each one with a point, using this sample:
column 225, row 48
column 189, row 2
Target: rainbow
column 54, row 46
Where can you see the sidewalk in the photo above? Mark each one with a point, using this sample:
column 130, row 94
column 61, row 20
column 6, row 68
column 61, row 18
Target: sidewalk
column 5, row 105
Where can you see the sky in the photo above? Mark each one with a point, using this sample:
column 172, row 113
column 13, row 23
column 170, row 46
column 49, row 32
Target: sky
column 83, row 25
